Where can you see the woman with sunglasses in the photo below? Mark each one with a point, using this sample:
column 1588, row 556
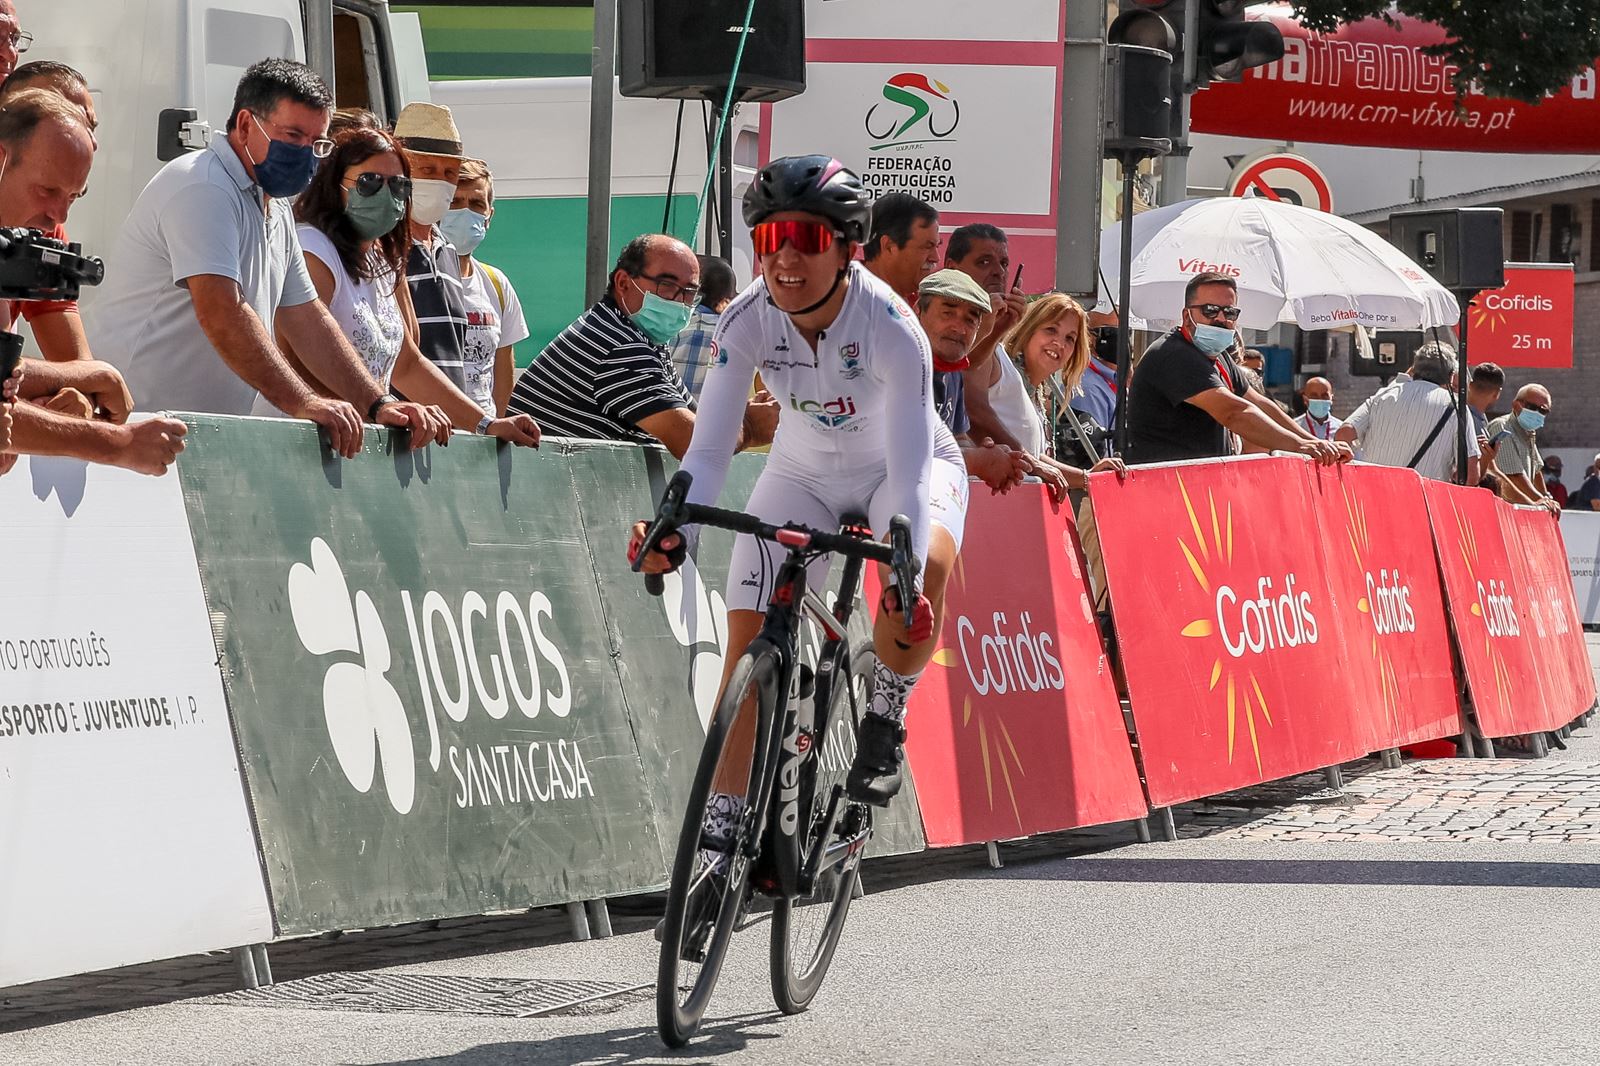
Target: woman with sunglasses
column 351, row 225
column 852, row 370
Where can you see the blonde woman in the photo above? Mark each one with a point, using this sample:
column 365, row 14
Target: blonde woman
column 1046, row 355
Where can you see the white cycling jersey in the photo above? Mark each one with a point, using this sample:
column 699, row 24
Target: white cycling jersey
column 858, row 430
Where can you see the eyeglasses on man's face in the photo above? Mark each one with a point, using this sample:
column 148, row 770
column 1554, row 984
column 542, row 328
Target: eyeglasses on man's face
column 1214, row 311
column 670, row 288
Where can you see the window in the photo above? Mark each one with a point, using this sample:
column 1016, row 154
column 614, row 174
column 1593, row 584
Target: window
column 1522, row 236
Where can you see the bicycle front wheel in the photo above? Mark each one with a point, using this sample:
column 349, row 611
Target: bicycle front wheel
column 703, row 908
column 805, row 930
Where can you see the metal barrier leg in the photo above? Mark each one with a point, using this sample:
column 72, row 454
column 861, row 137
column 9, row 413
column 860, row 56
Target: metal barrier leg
column 859, row 891
column 1169, row 827
column 600, row 916
column 1391, row 758
column 994, row 855
column 1485, row 748
column 244, row 958
column 1538, row 745
column 1141, row 826
column 263, row 964
column 1335, row 777
column 579, row 917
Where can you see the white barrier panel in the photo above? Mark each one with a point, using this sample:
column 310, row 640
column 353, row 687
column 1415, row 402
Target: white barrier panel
column 124, row 835
column 1581, row 531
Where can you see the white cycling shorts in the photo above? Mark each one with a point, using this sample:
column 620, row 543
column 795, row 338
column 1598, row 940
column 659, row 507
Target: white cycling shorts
column 786, row 493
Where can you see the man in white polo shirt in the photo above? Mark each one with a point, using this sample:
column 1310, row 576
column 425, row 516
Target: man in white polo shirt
column 208, row 267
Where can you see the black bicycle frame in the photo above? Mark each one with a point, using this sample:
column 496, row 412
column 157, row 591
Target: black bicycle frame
column 798, row 740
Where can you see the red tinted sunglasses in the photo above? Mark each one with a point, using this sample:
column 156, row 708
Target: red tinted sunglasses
column 808, row 238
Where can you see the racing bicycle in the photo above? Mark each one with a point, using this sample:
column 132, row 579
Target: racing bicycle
column 800, row 839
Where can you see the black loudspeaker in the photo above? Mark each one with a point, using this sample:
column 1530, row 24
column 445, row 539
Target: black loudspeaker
column 1463, row 249
column 683, row 49
column 1138, row 107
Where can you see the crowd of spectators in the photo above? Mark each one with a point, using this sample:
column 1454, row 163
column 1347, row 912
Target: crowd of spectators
column 311, row 263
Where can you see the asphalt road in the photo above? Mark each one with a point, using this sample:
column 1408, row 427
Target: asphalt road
column 1200, row 951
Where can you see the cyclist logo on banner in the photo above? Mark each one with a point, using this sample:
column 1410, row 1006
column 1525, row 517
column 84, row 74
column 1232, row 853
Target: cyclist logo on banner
column 910, row 99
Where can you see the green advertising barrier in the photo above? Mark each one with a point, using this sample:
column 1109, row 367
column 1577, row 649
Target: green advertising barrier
column 420, row 676
column 670, row 650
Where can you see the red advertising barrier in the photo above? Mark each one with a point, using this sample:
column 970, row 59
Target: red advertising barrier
column 1015, row 728
column 1497, row 564
column 1386, row 580
column 1369, row 83
column 1232, row 640
column 1557, row 632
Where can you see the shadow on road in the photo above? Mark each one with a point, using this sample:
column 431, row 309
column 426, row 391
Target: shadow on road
column 618, row 1047
column 1311, row 872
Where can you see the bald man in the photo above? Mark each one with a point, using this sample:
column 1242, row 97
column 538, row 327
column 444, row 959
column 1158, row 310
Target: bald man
column 1318, row 420
column 1521, row 465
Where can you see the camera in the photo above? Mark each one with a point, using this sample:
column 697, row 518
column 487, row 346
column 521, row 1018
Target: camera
column 1105, row 344
column 36, row 267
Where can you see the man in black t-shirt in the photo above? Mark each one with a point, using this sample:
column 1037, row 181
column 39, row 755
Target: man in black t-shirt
column 1187, row 396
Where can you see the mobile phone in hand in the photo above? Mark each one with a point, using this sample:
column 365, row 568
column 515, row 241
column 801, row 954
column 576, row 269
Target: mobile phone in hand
column 1016, row 282
column 1498, row 437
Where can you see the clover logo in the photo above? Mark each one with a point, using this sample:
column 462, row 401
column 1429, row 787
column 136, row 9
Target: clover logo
column 367, row 723
column 698, row 619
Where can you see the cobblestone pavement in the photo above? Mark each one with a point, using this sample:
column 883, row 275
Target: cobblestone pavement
column 1514, row 800
column 1525, row 800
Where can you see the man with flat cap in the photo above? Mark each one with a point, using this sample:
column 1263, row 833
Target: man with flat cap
column 951, row 307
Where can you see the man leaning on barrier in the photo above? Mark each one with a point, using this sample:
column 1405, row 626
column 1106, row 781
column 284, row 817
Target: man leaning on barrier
column 1522, row 479
column 208, row 269
column 609, row 375
column 1187, row 396
column 1412, row 423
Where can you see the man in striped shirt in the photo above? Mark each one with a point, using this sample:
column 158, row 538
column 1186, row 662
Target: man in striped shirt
column 1412, row 423
column 432, row 145
column 609, row 375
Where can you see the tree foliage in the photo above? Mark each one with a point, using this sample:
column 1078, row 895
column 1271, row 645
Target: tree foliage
column 1523, row 49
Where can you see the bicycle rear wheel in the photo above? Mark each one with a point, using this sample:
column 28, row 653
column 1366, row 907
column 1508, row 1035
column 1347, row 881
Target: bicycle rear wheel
column 701, row 912
column 805, row 930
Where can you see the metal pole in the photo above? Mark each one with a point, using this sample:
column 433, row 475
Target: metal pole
column 602, row 78
column 1083, row 127
column 1125, row 284
column 725, row 189
column 1175, row 167
column 1461, row 395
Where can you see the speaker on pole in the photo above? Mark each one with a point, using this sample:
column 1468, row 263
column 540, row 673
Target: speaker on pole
column 1463, row 249
column 684, row 49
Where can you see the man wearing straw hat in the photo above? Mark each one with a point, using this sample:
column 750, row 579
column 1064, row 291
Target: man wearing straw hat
column 427, row 134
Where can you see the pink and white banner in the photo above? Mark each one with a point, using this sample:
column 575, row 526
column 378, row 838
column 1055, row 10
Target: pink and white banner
column 941, row 100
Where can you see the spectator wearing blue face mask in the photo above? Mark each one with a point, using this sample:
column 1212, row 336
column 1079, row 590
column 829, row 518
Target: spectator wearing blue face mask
column 1318, row 418
column 1521, row 465
column 1188, row 399
column 495, row 324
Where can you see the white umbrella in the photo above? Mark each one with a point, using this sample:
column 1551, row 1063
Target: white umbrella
column 1292, row 264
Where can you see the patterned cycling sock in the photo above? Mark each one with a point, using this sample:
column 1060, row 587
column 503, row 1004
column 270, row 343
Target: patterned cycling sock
column 722, row 818
column 890, row 692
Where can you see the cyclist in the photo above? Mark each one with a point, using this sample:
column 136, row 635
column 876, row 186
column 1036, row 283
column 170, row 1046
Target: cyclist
column 852, row 370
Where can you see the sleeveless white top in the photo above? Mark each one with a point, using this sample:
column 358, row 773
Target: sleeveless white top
column 1012, row 404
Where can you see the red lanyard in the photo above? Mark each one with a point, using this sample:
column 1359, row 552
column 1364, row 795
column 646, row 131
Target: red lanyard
column 1109, row 379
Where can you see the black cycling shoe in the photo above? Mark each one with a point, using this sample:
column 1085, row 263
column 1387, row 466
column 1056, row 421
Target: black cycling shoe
column 875, row 776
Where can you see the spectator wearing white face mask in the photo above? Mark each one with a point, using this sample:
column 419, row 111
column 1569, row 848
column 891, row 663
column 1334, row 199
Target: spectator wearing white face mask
column 432, row 145
column 494, row 314
column 1318, row 418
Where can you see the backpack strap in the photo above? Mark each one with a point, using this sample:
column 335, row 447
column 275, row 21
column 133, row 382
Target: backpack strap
column 1449, row 413
column 499, row 285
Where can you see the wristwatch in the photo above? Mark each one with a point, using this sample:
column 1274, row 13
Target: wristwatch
column 483, row 425
column 379, row 404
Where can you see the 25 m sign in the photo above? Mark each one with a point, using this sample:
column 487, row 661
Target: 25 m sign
column 1529, row 322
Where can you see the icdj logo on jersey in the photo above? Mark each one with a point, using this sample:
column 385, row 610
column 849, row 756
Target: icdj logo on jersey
column 914, row 108
column 831, row 413
column 850, row 361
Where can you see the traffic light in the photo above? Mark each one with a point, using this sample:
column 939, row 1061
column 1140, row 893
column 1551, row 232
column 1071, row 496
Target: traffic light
column 1210, row 40
column 1229, row 44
